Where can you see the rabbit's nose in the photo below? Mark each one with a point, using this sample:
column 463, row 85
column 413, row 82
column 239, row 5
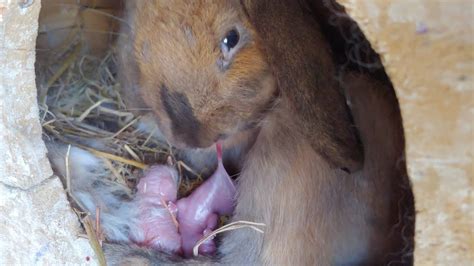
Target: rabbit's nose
column 183, row 121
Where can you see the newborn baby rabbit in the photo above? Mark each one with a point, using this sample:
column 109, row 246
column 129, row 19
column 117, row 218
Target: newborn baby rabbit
column 153, row 218
column 258, row 76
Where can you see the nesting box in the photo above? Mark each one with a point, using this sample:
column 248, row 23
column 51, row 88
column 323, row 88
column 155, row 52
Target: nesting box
column 426, row 47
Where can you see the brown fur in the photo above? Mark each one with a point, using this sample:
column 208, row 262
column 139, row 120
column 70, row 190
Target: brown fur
column 301, row 61
column 279, row 90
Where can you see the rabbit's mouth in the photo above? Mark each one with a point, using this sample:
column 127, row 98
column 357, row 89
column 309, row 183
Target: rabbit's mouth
column 196, row 140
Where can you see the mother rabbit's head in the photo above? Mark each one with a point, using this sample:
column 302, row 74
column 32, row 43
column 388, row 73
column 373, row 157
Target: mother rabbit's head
column 201, row 69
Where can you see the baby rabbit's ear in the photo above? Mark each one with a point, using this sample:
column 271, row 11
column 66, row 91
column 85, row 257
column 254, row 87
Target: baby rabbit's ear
column 301, row 62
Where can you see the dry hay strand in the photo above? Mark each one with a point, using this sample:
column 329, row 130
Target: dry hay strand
column 94, row 239
column 228, row 227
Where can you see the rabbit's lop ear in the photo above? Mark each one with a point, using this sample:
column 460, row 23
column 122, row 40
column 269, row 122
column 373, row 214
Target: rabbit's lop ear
column 301, row 61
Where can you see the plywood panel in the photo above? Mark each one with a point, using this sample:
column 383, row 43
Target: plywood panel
column 427, row 49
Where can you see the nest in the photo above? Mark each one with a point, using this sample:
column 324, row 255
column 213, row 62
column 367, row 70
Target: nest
column 80, row 104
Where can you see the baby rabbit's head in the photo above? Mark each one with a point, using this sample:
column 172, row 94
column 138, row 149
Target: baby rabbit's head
column 200, row 69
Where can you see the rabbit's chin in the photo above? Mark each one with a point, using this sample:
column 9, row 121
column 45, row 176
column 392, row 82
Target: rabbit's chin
column 200, row 141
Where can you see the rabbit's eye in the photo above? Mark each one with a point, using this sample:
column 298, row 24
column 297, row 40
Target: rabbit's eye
column 231, row 40
column 229, row 46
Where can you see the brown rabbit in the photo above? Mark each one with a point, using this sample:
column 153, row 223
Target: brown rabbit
column 259, row 76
